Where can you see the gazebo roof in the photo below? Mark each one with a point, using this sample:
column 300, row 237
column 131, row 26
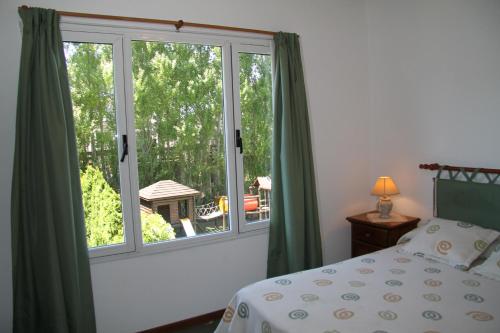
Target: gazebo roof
column 263, row 183
column 166, row 189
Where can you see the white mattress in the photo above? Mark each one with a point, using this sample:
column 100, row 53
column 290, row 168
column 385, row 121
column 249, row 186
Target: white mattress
column 381, row 292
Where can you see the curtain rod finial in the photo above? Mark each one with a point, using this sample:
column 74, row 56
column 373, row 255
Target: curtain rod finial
column 179, row 25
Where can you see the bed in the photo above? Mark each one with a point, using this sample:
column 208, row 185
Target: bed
column 386, row 291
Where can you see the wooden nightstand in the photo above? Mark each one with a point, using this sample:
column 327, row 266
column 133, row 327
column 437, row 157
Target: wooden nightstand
column 367, row 236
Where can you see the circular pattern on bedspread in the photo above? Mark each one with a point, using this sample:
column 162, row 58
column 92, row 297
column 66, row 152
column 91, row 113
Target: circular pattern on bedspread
column 392, row 298
column 432, row 297
column 322, row 282
column 387, row 315
column 368, row 260
column 365, row 270
column 397, row 271
column 433, row 283
column 309, row 297
column 464, row 225
column 402, row 260
column 272, row 296
column 394, row 283
column 432, row 228
column 480, row 316
column 266, row 327
column 443, row 247
column 343, row 314
column 283, row 282
column 471, row 283
column 228, row 315
column 298, row 314
column 243, row 311
column 474, row 298
column 432, row 270
column 329, row 271
column 432, row 315
column 480, row 245
column 357, row 284
column 350, row 297
column 461, row 267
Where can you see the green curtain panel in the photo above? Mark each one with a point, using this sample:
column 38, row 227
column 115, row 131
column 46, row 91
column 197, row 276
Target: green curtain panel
column 294, row 236
column 51, row 272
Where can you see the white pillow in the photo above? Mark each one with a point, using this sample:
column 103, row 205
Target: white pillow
column 491, row 267
column 494, row 247
column 455, row 243
column 410, row 234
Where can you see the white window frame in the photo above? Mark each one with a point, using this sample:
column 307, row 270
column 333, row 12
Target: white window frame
column 238, row 48
column 120, row 35
column 121, row 127
column 229, row 140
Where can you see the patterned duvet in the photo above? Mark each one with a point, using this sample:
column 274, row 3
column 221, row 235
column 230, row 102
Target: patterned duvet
column 386, row 291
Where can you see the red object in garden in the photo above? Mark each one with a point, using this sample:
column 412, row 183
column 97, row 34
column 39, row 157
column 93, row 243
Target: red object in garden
column 251, row 202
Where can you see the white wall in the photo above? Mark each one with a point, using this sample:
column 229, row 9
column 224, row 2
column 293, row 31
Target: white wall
column 434, row 91
column 146, row 291
column 391, row 84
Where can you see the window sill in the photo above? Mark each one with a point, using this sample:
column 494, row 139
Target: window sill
column 180, row 244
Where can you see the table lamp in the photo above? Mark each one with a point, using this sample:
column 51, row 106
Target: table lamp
column 384, row 187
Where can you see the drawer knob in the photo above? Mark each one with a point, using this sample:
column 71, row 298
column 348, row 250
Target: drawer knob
column 368, row 235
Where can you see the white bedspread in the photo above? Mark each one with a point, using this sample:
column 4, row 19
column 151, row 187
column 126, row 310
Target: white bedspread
column 381, row 292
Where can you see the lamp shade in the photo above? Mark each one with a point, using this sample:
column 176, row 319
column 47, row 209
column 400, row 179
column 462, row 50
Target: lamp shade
column 384, row 186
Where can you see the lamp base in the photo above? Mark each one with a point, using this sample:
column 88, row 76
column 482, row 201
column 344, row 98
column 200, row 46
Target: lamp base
column 384, row 207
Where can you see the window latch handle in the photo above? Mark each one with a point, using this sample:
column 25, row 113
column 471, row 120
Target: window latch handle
column 124, row 147
column 239, row 141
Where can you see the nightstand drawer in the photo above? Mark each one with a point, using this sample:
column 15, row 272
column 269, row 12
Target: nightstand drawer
column 369, row 235
column 361, row 248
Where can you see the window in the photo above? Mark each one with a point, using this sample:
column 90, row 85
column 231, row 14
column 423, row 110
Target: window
column 253, row 115
column 173, row 133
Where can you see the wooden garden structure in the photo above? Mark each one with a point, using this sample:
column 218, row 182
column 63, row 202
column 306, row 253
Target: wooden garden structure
column 170, row 199
column 263, row 186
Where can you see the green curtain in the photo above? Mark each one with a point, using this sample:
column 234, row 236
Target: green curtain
column 294, row 236
column 51, row 272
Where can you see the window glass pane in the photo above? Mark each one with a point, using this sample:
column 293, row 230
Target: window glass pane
column 90, row 71
column 179, row 120
column 256, row 125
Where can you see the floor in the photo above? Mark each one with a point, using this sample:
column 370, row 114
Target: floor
column 208, row 327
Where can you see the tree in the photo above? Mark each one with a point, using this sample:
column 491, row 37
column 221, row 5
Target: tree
column 179, row 115
column 90, row 71
column 155, row 228
column 179, row 124
column 256, row 114
column 102, row 207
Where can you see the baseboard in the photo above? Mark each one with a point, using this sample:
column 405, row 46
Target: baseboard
column 169, row 328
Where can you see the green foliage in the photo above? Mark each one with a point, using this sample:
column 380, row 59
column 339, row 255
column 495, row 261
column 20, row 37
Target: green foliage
column 102, row 207
column 179, row 124
column 155, row 228
column 178, row 115
column 256, row 115
column 90, row 70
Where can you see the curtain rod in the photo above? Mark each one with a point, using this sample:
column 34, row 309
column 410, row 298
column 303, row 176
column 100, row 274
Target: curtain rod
column 177, row 24
column 435, row 166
